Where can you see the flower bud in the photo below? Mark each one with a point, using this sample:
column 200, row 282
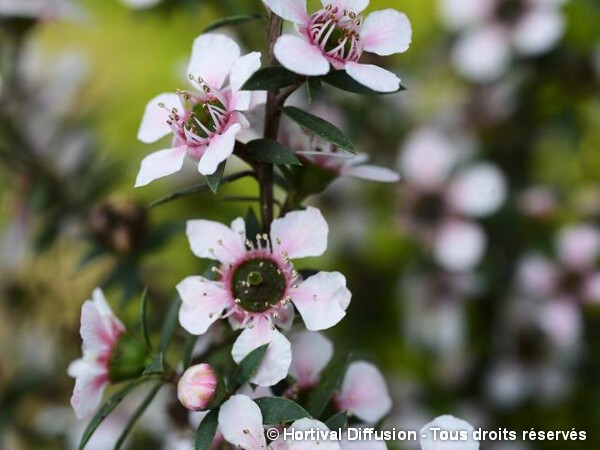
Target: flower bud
column 197, row 387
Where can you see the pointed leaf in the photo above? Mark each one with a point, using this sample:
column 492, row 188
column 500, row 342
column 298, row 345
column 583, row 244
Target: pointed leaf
column 190, row 343
column 144, row 318
column 249, row 366
column 156, row 367
column 269, row 151
column 168, row 328
column 214, row 180
column 313, row 87
column 280, row 410
column 271, row 78
column 330, row 380
column 207, row 430
column 252, row 225
column 234, row 20
column 337, row 420
column 341, row 80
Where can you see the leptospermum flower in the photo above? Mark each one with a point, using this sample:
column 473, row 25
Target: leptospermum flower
column 204, row 123
column 257, row 285
column 491, row 30
column 454, row 426
column 336, row 36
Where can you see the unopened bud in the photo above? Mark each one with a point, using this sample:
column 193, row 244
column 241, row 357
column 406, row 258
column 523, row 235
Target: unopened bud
column 197, row 387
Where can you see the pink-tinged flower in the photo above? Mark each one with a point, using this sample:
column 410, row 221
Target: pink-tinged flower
column 492, row 30
column 364, row 393
column 441, row 200
column 100, row 331
column 311, row 352
column 539, row 202
column 44, row 10
column 336, row 36
column 204, row 123
column 257, row 286
column 197, row 387
column 454, row 426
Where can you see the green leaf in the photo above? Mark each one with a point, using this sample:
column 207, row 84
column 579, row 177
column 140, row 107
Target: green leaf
column 337, row 420
column 190, row 343
column 269, row 151
column 137, row 414
column 234, row 20
column 207, row 430
column 144, row 318
column 156, row 367
column 169, row 325
column 330, row 380
column 280, row 410
column 106, row 409
column 319, row 127
column 313, row 87
column 341, row 80
column 214, row 180
column 252, row 225
column 271, row 78
column 249, row 366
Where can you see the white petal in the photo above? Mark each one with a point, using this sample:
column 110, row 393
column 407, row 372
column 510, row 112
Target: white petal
column 537, row 276
column 459, row 245
column 241, row 70
column 364, row 393
column 299, row 56
column 360, row 444
column 311, row 444
column 219, row 149
column 213, row 55
column 300, row 233
column 448, row 423
column 372, row 173
column 311, row 352
column 154, row 123
column 373, row 77
column 539, row 31
column 98, row 331
column 160, row 164
column 458, row 14
column 322, row 300
column 578, row 246
column 213, row 240
column 386, row 32
column 276, row 362
column 482, row 55
column 240, row 422
column 292, row 10
column 203, row 302
column 87, row 394
column 479, row 190
column 356, row 6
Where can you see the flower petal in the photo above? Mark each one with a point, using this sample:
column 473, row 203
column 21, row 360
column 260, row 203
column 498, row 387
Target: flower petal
column 459, row 14
column 356, row 6
column 459, row 245
column 219, row 149
column 479, row 190
column 154, row 123
column 311, row 352
column 386, row 32
column 160, row 164
column 322, row 300
column 213, row 55
column 240, row 422
column 562, row 321
column 89, row 387
column 538, row 31
column 447, row 423
column 373, row 77
column 300, row 234
column 292, row 10
column 300, row 56
column 372, row 173
column 241, row 70
column 98, row 331
column 276, row 362
column 537, row 275
column 311, row 444
column 364, row 393
column 203, row 302
column 578, row 246
column 213, row 240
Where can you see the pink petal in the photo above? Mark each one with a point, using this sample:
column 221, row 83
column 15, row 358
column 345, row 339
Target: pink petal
column 537, row 276
column 592, row 288
column 364, row 393
column 356, row 6
column 203, row 302
column 311, row 352
column 219, row 149
column 373, row 77
column 292, row 10
column 154, row 123
column 322, row 300
column 386, row 32
column 562, row 321
column 97, row 332
column 160, row 164
column 538, row 31
column 213, row 240
column 277, row 359
column 300, row 234
column 213, row 55
column 479, row 190
column 311, row 444
column 372, row 173
column 241, row 70
column 459, row 245
column 300, row 56
column 578, row 246
column 240, row 422
column 447, row 423
column 89, row 387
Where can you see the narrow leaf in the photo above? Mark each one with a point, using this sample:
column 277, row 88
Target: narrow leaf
column 341, row 80
column 338, row 420
column 144, row 318
column 249, row 366
column 233, row 20
column 156, row 367
column 313, row 87
column 271, row 78
column 137, row 414
column 169, row 325
column 269, row 151
column 106, row 409
column 190, row 343
column 280, row 410
column 319, row 127
column 330, row 380
column 252, row 225
column 207, row 430
column 214, row 180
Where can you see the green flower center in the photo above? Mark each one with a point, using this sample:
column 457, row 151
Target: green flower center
column 258, row 284
column 202, row 117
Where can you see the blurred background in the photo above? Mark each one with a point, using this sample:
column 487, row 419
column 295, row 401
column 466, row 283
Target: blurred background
column 475, row 279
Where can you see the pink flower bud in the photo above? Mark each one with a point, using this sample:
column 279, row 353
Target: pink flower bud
column 197, row 387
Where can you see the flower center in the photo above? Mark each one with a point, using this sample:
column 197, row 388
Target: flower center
column 336, row 33
column 258, row 284
column 509, row 11
column 206, row 117
column 429, row 209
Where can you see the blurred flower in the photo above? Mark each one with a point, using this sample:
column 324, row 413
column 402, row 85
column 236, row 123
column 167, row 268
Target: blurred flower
column 140, row 4
column 197, row 387
column 311, row 352
column 452, row 425
column 336, row 35
column 36, row 9
column 204, row 123
column 539, row 202
column 257, row 282
column 491, row 30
